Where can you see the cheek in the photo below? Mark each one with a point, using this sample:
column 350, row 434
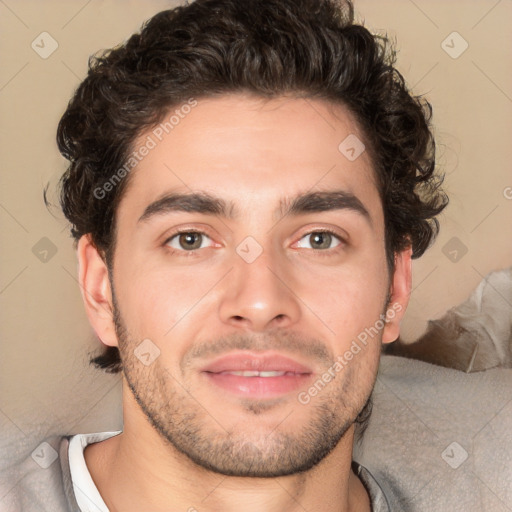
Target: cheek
column 348, row 298
column 157, row 303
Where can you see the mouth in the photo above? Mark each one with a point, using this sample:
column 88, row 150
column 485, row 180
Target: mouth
column 255, row 375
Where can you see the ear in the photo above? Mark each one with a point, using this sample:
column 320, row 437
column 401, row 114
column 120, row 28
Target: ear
column 96, row 291
column 400, row 293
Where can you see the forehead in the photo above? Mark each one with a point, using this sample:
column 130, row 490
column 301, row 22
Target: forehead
column 251, row 151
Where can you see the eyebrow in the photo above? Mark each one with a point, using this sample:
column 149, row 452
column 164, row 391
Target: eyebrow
column 207, row 204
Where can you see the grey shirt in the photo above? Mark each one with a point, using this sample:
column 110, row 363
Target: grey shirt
column 51, row 489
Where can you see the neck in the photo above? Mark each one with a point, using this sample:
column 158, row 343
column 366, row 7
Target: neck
column 139, row 470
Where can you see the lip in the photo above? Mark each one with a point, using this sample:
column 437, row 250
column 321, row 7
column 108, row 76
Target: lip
column 291, row 374
column 252, row 361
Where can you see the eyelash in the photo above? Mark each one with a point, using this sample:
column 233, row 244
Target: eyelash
column 193, row 253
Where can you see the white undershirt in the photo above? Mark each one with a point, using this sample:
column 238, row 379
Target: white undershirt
column 87, row 495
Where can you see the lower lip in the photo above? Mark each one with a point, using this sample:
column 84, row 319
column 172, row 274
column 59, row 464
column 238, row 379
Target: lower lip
column 259, row 387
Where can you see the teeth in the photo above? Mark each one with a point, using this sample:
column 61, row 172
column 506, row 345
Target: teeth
column 271, row 374
column 251, row 373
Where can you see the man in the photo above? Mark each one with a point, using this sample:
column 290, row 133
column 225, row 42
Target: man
column 248, row 183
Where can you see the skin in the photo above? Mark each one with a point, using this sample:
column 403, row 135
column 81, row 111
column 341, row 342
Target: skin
column 295, row 299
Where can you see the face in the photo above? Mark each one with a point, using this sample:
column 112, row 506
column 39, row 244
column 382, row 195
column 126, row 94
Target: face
column 249, row 314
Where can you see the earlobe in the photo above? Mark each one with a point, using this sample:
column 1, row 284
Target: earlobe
column 400, row 292
column 96, row 291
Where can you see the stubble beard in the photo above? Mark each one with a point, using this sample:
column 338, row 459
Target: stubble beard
column 191, row 428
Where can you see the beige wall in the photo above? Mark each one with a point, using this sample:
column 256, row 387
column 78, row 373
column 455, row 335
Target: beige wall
column 45, row 336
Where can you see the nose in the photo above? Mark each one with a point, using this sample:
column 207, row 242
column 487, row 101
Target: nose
column 259, row 296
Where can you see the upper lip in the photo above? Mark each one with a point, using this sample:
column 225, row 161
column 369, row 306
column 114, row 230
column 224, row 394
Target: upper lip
column 251, row 361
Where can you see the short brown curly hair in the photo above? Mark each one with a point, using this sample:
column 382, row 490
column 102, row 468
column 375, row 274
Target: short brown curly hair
column 305, row 48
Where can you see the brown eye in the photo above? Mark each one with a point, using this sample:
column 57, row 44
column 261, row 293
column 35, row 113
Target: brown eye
column 190, row 240
column 320, row 240
column 187, row 241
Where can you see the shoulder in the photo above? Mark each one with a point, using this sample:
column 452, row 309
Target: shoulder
column 39, row 480
column 440, row 439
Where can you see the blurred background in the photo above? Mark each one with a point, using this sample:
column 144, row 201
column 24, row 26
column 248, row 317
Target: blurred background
column 455, row 53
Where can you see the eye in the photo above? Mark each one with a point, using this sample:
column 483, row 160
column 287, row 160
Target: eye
column 187, row 241
column 321, row 239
